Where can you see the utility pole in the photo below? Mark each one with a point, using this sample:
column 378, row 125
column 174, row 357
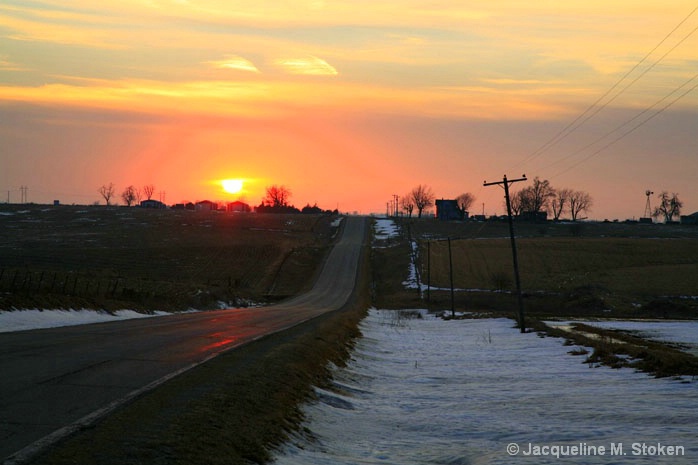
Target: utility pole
column 505, row 183
column 395, row 196
column 450, row 273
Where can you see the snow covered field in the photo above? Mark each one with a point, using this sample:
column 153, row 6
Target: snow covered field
column 429, row 391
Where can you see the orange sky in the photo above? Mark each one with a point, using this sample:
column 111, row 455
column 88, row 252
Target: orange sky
column 348, row 103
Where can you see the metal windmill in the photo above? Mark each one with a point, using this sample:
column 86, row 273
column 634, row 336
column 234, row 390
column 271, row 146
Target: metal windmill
column 648, row 209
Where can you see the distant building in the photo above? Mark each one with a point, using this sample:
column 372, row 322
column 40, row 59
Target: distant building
column 690, row 219
column 447, row 210
column 533, row 217
column 150, row 203
column 206, row 205
column 238, row 206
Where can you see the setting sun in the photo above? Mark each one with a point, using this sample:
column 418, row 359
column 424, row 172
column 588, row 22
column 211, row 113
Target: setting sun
column 232, row 186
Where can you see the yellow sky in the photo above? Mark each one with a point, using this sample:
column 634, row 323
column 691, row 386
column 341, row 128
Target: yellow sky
column 347, row 103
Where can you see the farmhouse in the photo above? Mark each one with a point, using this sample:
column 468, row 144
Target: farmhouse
column 447, row 210
column 206, row 205
column 238, row 206
column 150, row 203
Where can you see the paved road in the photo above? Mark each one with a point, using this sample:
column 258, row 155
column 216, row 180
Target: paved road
column 53, row 380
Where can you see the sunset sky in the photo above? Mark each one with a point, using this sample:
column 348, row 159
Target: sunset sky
column 349, row 102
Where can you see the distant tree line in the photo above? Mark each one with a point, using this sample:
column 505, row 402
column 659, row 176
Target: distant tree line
column 277, row 200
column 131, row 195
column 537, row 198
column 542, row 197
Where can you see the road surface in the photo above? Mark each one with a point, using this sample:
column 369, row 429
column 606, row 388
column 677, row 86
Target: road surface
column 55, row 380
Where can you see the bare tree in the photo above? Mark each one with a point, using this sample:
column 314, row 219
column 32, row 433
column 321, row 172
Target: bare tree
column 423, row 197
column 107, row 192
column 465, row 201
column 669, row 206
column 579, row 201
column 148, row 191
column 559, row 202
column 536, row 198
column 516, row 203
column 129, row 195
column 407, row 204
column 278, row 196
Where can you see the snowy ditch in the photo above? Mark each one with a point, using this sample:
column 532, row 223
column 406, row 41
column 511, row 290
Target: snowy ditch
column 431, row 391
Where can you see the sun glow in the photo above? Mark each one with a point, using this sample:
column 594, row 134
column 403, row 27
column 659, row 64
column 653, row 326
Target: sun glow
column 232, row 186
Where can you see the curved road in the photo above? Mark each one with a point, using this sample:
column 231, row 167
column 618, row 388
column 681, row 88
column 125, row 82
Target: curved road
column 53, row 381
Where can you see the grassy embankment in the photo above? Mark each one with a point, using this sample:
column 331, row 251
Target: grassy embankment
column 567, row 271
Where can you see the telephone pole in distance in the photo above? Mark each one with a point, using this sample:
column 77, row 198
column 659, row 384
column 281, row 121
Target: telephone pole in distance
column 505, row 183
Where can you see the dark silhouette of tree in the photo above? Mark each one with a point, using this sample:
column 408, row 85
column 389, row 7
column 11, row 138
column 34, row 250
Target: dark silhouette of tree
column 129, row 195
column 423, row 197
column 148, row 191
column 536, row 198
column 579, row 201
column 107, row 192
column 465, row 201
column 277, row 196
column 669, row 206
column 407, row 205
column 515, row 203
column 559, row 202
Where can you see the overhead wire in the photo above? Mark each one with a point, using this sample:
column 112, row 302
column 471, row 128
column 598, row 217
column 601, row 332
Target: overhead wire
column 596, row 107
column 626, row 123
column 631, row 130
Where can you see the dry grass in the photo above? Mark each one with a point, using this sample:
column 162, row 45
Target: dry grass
column 111, row 258
column 628, row 270
column 628, row 266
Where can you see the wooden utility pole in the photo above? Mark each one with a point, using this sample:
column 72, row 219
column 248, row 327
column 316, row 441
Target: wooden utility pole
column 505, row 182
column 450, row 273
column 428, row 271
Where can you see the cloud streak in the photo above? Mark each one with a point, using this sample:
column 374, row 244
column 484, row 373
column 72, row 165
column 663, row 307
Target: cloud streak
column 235, row 62
column 309, row 66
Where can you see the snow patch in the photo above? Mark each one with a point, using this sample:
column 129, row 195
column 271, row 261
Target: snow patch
column 22, row 320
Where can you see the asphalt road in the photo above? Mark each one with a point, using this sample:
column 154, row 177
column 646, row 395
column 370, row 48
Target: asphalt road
column 55, row 381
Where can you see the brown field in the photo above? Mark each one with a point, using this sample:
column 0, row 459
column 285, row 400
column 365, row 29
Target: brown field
column 604, row 269
column 117, row 257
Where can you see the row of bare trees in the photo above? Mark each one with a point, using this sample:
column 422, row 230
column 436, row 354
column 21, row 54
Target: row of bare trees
column 131, row 195
column 539, row 197
column 543, row 197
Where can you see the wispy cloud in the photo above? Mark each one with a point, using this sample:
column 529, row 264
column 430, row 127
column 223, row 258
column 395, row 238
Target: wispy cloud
column 7, row 65
column 236, row 63
column 309, row 65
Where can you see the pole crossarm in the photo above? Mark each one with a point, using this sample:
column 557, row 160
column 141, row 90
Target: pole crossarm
column 505, row 183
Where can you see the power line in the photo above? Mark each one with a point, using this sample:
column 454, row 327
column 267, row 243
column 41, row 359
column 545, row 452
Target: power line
column 618, row 128
column 576, row 123
column 631, row 130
